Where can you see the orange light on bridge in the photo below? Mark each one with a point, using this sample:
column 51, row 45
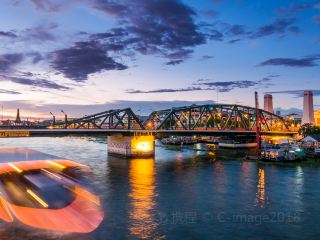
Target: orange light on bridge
column 144, row 146
column 149, row 124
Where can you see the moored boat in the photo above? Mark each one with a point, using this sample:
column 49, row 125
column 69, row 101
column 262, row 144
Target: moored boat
column 282, row 154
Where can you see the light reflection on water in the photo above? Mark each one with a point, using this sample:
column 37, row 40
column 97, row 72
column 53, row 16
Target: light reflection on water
column 261, row 193
column 142, row 198
column 183, row 183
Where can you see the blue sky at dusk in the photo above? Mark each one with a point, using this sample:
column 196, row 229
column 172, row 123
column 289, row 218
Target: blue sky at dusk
column 86, row 56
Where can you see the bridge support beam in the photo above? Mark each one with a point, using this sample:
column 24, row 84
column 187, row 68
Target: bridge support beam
column 131, row 146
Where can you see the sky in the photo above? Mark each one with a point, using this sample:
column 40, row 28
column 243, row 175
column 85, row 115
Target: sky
column 87, row 56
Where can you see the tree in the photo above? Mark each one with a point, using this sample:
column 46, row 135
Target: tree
column 307, row 129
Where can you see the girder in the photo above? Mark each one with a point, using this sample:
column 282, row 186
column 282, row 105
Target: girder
column 195, row 117
column 112, row 119
column 214, row 117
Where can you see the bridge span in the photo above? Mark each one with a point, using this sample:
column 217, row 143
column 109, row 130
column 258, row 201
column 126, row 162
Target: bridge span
column 128, row 135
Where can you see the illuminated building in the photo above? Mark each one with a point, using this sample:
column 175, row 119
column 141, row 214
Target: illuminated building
column 308, row 112
column 317, row 117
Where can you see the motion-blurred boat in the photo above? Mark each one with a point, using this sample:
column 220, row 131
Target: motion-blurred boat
column 46, row 192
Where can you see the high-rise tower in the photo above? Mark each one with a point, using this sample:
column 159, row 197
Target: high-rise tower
column 268, row 104
column 18, row 120
column 308, row 115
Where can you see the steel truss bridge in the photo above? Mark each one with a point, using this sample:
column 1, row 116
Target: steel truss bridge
column 112, row 119
column 192, row 119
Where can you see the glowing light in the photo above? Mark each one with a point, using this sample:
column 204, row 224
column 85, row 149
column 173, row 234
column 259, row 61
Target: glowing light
column 15, row 168
column 56, row 164
column 52, row 174
column 4, row 211
column 149, row 124
column 37, row 198
column 144, row 146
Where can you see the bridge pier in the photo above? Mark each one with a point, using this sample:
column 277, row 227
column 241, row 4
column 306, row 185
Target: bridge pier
column 131, row 146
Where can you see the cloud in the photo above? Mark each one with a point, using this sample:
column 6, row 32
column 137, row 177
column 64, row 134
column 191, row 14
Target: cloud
column 215, row 35
column 166, row 27
column 297, row 93
column 76, row 110
column 82, row 59
column 279, row 26
column 308, row 61
column 233, row 33
column 40, row 33
column 237, row 30
column 207, row 57
column 234, row 40
column 112, row 33
column 35, row 57
column 269, row 77
column 46, row 5
column 226, row 86
column 9, row 35
column 294, row 9
column 40, row 83
column 208, row 85
column 211, row 13
column 4, row 91
column 174, row 62
column 166, row 90
column 9, row 60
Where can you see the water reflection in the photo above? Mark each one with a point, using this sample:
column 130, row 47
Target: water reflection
column 299, row 178
column 142, row 198
column 179, row 161
column 245, row 176
column 220, row 177
column 261, row 198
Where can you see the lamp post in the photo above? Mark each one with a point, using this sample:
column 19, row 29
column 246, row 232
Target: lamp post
column 53, row 119
column 65, row 119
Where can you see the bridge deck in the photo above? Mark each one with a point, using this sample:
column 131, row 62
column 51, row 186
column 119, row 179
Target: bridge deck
column 41, row 132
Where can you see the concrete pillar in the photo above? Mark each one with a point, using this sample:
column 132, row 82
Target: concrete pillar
column 131, row 146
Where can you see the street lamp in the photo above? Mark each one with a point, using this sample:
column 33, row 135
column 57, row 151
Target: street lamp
column 54, row 119
column 65, row 118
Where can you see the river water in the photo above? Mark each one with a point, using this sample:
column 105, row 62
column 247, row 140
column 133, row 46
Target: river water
column 182, row 195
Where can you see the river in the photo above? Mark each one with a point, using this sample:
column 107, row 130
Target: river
column 182, row 195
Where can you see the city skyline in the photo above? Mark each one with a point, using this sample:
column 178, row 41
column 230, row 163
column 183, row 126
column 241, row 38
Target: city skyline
column 86, row 56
